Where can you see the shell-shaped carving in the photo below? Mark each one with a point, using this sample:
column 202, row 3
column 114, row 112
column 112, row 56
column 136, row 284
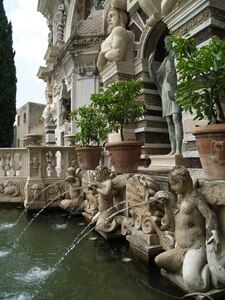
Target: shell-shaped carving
column 126, row 226
column 137, row 218
column 87, row 178
column 147, row 225
column 138, row 187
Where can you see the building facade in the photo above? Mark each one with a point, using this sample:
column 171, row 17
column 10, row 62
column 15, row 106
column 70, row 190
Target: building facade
column 28, row 121
column 77, row 29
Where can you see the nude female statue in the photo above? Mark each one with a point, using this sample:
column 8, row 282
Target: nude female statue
column 165, row 79
column 195, row 225
column 115, row 45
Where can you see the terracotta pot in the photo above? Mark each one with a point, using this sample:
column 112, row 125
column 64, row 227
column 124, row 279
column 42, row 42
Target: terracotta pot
column 211, row 147
column 88, row 157
column 125, row 156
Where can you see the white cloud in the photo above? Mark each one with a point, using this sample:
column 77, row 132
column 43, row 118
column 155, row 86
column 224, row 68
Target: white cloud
column 30, row 42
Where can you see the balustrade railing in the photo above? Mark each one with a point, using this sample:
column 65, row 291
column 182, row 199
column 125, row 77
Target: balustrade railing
column 13, row 162
column 36, row 162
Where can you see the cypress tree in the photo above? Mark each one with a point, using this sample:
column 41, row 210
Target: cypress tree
column 7, row 81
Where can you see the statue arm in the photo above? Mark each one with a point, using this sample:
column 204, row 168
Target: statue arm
column 101, row 62
column 152, row 72
column 119, row 44
column 172, row 73
column 106, row 189
column 210, row 219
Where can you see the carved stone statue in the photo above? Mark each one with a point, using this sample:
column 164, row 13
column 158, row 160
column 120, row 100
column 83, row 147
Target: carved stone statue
column 50, row 35
column 165, row 79
column 108, row 190
column 91, row 197
column 118, row 42
column 76, row 202
column 195, row 226
column 65, row 98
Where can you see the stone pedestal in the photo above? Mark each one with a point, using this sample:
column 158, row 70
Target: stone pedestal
column 145, row 246
column 110, row 236
column 50, row 134
column 166, row 161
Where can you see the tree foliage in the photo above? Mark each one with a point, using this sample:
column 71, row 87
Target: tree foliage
column 201, row 73
column 92, row 124
column 118, row 102
column 7, row 81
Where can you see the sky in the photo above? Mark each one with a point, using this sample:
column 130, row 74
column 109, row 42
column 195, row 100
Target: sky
column 30, row 33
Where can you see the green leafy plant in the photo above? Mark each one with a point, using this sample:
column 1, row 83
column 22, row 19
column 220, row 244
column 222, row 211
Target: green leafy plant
column 118, row 102
column 201, row 73
column 93, row 126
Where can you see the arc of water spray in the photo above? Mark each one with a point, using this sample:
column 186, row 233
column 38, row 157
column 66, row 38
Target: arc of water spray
column 78, row 239
column 36, row 215
column 26, row 208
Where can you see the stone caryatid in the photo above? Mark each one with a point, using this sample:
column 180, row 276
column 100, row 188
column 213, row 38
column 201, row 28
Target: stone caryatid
column 117, row 45
column 75, row 205
column 111, row 193
column 196, row 260
column 165, row 78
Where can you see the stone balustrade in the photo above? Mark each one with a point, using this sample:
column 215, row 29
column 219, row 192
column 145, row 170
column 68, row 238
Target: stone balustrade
column 26, row 171
column 13, row 162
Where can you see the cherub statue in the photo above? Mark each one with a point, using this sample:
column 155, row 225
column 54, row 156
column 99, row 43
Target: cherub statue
column 76, row 202
column 108, row 189
column 195, row 225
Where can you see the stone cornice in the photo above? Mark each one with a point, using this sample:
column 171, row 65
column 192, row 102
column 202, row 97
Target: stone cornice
column 187, row 11
column 46, row 7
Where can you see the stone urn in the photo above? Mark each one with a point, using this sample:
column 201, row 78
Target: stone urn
column 211, row 147
column 88, row 157
column 124, row 156
column 32, row 140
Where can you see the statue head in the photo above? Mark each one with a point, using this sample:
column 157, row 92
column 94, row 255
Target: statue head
column 167, row 43
column 180, row 180
column 116, row 17
column 101, row 173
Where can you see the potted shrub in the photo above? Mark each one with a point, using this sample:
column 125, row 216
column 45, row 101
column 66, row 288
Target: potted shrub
column 118, row 102
column 201, row 91
column 93, row 131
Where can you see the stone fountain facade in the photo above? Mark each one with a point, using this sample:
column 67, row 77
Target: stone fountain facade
column 174, row 220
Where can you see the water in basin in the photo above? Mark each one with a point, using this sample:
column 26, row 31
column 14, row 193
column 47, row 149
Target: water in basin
column 94, row 270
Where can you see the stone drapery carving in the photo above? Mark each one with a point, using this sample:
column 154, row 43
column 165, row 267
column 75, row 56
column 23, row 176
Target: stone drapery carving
column 165, row 79
column 111, row 193
column 61, row 21
column 116, row 45
column 76, row 202
column 197, row 259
